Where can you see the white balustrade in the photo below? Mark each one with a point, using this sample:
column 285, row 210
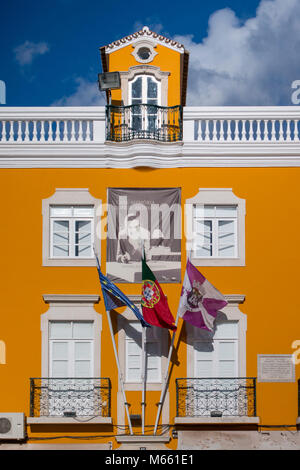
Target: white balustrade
column 52, row 125
column 201, row 125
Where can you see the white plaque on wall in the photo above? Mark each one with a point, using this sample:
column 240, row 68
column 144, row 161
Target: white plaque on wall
column 275, row 368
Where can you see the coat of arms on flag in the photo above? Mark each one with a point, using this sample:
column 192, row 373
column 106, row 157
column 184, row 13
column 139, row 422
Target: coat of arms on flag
column 200, row 301
column 154, row 303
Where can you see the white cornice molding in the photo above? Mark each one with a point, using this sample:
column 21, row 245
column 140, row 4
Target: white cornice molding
column 70, row 298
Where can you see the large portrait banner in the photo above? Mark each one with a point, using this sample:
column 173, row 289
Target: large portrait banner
column 144, row 220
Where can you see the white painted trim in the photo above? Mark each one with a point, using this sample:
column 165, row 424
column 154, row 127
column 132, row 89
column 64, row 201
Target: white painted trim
column 218, row 421
column 131, row 74
column 232, row 313
column 152, row 155
column 141, row 439
column 76, row 420
column 71, row 308
column 144, row 33
column 69, row 196
column 217, row 196
column 144, row 43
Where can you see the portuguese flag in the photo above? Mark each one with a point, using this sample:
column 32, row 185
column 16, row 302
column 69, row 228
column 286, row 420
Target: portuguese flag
column 154, row 303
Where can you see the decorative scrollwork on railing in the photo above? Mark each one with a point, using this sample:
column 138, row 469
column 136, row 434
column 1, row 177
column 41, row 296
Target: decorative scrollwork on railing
column 216, row 397
column 143, row 121
column 78, row 396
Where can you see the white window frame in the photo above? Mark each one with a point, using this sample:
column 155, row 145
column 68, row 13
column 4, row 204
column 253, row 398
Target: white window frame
column 215, row 230
column 149, row 45
column 230, row 312
column 215, row 356
column 71, row 231
column 144, row 78
column 216, row 197
column 152, row 340
column 74, row 308
column 151, row 70
column 71, row 349
column 70, row 197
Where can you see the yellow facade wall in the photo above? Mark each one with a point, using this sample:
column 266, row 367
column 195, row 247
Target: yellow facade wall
column 270, row 279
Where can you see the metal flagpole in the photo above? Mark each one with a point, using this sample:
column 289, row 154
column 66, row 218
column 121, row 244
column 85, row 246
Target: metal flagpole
column 116, row 354
column 163, row 392
column 166, row 379
column 119, row 369
column 144, row 356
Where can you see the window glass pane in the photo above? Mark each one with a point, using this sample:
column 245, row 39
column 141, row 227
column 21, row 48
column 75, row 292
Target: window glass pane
column 152, row 88
column 153, row 375
column 134, row 362
column 209, row 210
column 82, row 351
column 136, row 88
column 226, row 211
column 136, row 325
column 62, row 251
column 59, row 350
column 226, row 330
column 60, row 330
column 226, row 350
column 227, row 369
column 203, row 251
column 134, row 375
column 204, row 369
column 61, row 228
column 133, row 348
column 82, row 368
column 226, row 251
column 61, row 211
column 83, row 211
column 59, row 368
column 82, row 330
column 83, row 238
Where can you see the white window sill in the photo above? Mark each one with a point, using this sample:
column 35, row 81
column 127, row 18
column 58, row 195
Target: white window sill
column 69, row 262
column 75, row 420
column 222, row 420
column 140, row 439
column 217, row 261
column 139, row 386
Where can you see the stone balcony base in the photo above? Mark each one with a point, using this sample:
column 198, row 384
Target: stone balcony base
column 146, row 442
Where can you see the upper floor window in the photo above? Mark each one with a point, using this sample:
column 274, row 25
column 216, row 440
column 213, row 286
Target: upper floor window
column 215, row 228
column 144, row 89
column 70, row 220
column 72, row 231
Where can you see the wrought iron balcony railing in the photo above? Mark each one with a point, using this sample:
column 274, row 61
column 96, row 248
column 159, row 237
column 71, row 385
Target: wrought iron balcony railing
column 216, row 397
column 62, row 396
column 143, row 121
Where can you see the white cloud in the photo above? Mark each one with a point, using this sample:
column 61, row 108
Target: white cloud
column 28, row 51
column 86, row 94
column 246, row 63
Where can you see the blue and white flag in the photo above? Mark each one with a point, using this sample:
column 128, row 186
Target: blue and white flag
column 114, row 298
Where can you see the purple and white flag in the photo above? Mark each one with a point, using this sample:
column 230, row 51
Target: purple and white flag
column 200, row 300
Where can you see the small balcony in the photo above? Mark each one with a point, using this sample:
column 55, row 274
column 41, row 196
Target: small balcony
column 69, row 399
column 221, row 400
column 143, row 121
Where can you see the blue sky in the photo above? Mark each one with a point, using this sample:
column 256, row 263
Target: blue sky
column 241, row 53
